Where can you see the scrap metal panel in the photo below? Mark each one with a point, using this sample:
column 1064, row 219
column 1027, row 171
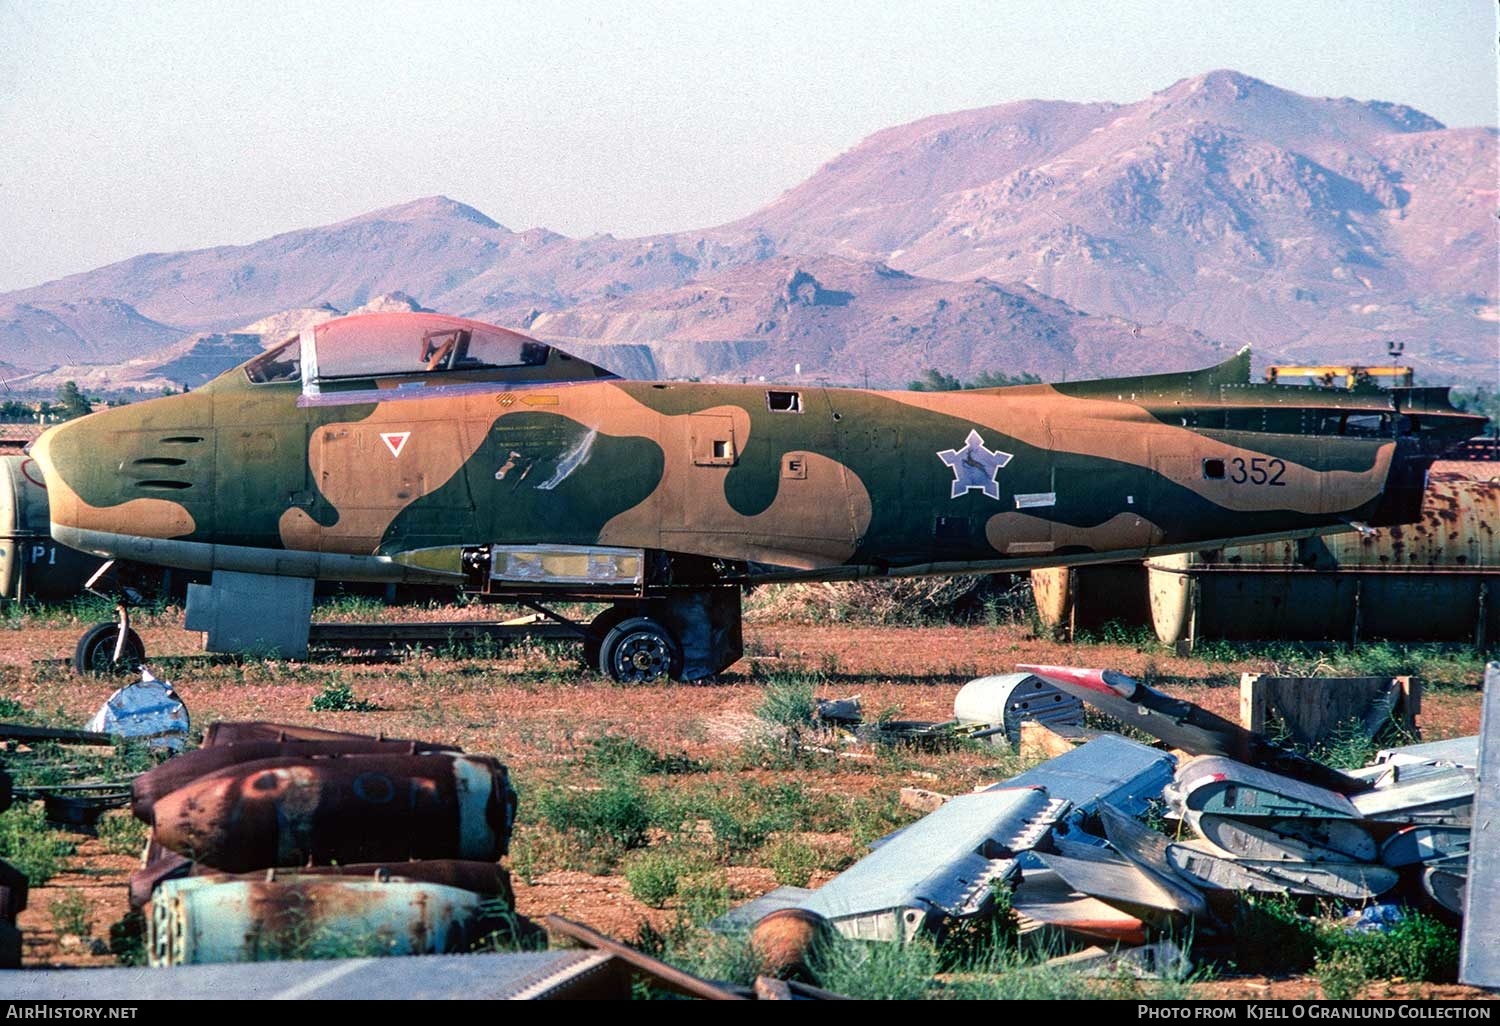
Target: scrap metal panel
column 941, row 865
column 1111, row 770
column 1214, row 784
column 1479, row 956
column 1353, row 881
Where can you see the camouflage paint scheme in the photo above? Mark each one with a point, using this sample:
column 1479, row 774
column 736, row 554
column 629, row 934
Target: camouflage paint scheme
column 365, row 479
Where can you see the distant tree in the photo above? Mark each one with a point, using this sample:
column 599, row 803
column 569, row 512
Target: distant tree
column 13, row 411
column 994, row 379
column 934, row 380
column 72, row 401
column 1481, row 400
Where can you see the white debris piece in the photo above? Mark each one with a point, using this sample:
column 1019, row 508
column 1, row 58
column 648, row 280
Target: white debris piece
column 149, row 710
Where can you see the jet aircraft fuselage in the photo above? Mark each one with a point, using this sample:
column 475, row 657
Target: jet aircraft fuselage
column 423, row 447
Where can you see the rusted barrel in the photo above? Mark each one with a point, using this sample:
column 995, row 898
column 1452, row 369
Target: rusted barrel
column 151, row 786
column 1434, row 580
column 350, row 808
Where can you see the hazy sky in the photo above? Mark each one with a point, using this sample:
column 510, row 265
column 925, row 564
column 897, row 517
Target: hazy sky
column 156, row 126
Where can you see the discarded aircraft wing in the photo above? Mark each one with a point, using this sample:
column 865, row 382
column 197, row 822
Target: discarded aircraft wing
column 1415, row 844
column 1109, row 770
column 1044, row 899
column 1441, row 796
column 352, row 808
column 1108, row 876
column 1147, row 849
column 940, row 867
column 1286, row 840
column 1455, row 751
column 1184, row 725
column 1353, row 881
column 423, row 448
column 1214, row 784
column 1447, row 887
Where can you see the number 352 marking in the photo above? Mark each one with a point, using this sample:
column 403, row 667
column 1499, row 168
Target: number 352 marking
column 1258, row 470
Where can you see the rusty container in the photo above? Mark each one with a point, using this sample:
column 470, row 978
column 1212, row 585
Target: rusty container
column 295, row 811
column 1435, row 580
column 1085, row 598
column 206, row 920
column 151, row 786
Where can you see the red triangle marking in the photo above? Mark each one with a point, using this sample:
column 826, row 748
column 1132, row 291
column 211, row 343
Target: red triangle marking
column 395, row 440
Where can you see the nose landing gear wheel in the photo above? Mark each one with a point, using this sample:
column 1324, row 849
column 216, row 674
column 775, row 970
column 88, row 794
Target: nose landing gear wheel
column 95, row 654
column 640, row 651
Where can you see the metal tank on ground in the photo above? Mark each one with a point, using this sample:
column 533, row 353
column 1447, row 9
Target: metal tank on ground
column 1434, row 580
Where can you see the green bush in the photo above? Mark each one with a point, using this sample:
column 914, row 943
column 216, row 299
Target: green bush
column 616, row 816
column 1418, row 947
column 704, row 897
column 71, row 914
column 1270, row 935
column 612, row 752
column 1340, row 975
column 654, row 877
column 338, row 696
column 122, row 833
column 789, row 702
column 792, row 861
column 29, row 844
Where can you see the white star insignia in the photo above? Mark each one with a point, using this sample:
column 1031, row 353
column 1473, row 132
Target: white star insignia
column 974, row 466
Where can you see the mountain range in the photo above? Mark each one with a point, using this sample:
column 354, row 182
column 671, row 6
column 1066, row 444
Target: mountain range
column 1063, row 239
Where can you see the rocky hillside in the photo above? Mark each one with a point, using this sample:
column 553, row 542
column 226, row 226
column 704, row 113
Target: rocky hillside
column 1061, row 238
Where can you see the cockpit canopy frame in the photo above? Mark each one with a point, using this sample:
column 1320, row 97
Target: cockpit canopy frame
column 407, row 348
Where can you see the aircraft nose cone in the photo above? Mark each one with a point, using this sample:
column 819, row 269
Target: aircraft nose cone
column 62, row 500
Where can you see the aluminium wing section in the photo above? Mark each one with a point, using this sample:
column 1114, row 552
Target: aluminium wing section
column 1107, row 877
column 1444, row 796
column 1216, row 785
column 1352, row 881
column 942, row 866
column 1286, row 840
column 1110, row 770
column 1425, row 844
column 1147, row 851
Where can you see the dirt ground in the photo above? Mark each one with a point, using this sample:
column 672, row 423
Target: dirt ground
column 533, row 709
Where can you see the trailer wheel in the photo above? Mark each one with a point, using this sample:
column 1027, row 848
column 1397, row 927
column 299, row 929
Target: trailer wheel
column 95, row 654
column 639, row 651
column 594, row 635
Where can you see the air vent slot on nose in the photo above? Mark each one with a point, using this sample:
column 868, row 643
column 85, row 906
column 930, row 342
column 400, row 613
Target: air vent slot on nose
column 182, row 440
column 164, row 486
column 159, row 461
